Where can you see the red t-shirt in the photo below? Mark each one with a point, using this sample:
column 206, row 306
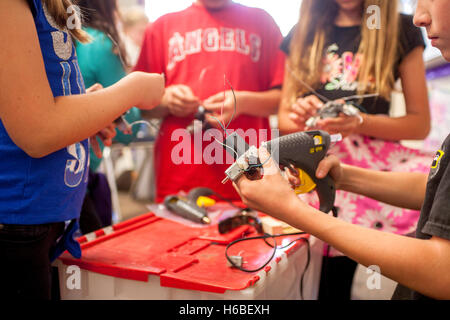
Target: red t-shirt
column 197, row 47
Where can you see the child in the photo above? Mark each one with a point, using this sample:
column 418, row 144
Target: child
column 338, row 50
column 420, row 265
column 45, row 121
column 195, row 48
column 103, row 61
column 135, row 22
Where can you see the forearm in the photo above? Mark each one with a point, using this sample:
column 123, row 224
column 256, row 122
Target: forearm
column 74, row 118
column 411, row 262
column 262, row 104
column 409, row 127
column 405, row 190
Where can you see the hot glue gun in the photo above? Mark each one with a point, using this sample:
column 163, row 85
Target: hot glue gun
column 302, row 151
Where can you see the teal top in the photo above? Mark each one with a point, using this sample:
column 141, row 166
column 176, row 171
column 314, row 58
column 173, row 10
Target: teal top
column 99, row 64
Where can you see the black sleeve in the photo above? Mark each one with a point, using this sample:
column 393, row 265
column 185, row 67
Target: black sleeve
column 438, row 223
column 411, row 36
column 286, row 44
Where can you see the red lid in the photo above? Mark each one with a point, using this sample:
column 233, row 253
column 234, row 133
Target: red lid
column 183, row 257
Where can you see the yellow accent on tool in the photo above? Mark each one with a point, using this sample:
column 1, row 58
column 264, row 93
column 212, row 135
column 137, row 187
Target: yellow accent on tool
column 318, row 140
column 205, row 202
column 306, row 183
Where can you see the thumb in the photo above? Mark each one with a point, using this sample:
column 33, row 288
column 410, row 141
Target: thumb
column 325, row 167
column 213, row 107
column 96, row 147
column 94, row 88
column 218, row 97
column 269, row 165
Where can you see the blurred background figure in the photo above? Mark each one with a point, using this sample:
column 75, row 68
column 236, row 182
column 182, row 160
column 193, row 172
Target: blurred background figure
column 204, row 51
column 134, row 23
column 103, row 61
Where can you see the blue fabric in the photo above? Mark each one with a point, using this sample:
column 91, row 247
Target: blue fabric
column 49, row 189
column 67, row 242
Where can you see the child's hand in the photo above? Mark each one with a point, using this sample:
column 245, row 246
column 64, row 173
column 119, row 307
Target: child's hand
column 151, row 89
column 345, row 125
column 105, row 135
column 94, row 88
column 304, row 108
column 269, row 194
column 330, row 164
column 180, row 100
column 223, row 100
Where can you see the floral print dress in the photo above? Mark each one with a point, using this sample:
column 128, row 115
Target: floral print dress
column 380, row 155
column 340, row 74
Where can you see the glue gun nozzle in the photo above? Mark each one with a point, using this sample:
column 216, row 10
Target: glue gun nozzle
column 206, row 220
column 336, row 138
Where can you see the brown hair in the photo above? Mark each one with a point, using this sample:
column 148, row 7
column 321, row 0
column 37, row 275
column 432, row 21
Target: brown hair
column 133, row 16
column 58, row 10
column 378, row 47
column 101, row 15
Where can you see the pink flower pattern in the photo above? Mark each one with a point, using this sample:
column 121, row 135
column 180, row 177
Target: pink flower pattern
column 340, row 72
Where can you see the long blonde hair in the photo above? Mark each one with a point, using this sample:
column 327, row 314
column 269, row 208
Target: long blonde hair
column 378, row 47
column 58, row 10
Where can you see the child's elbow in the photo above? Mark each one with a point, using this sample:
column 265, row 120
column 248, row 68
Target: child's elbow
column 34, row 142
column 34, row 148
column 35, row 152
column 423, row 132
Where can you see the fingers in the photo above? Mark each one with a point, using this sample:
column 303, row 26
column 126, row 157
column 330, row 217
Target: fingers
column 108, row 133
column 344, row 125
column 94, row 88
column 305, row 108
column 214, row 107
column 218, row 97
column 326, row 165
column 185, row 94
column 218, row 101
column 181, row 101
column 269, row 165
column 293, row 177
column 96, row 147
column 311, row 104
column 264, row 157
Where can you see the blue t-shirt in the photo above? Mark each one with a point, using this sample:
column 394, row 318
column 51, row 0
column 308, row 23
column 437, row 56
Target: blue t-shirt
column 49, row 189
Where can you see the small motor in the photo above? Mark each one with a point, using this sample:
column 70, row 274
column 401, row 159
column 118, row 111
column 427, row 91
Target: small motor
column 332, row 109
column 199, row 122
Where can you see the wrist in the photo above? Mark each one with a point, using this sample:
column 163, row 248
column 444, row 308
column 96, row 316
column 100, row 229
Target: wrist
column 296, row 212
column 347, row 179
column 165, row 99
column 363, row 118
column 133, row 82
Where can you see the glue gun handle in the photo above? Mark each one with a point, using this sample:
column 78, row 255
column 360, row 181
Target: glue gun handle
column 326, row 191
